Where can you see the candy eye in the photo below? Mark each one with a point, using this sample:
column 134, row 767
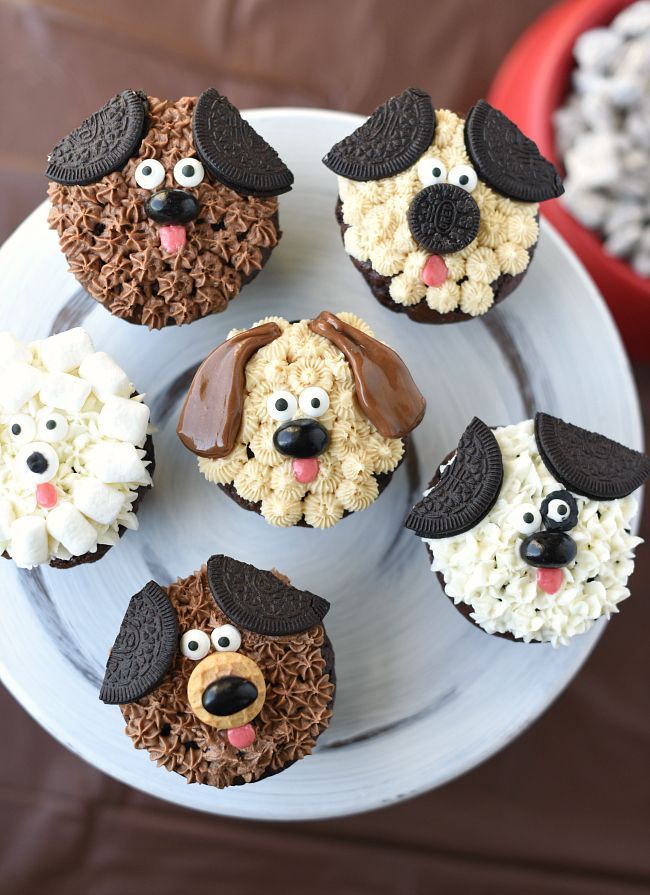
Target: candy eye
column 195, row 644
column 188, row 172
column 463, row 176
column 149, row 174
column 526, row 519
column 52, row 427
column 226, row 639
column 22, row 428
column 560, row 511
column 314, row 401
column 37, row 462
column 431, row 170
column 282, row 406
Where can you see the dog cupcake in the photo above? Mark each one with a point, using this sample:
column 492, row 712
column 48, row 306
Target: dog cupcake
column 164, row 209
column 75, row 453
column 529, row 527
column 225, row 677
column 303, row 422
column 440, row 214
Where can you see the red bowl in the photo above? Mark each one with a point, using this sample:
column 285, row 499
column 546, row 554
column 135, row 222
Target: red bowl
column 530, row 85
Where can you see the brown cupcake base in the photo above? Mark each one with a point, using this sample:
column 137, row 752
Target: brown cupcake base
column 103, row 549
column 421, row 312
column 383, row 478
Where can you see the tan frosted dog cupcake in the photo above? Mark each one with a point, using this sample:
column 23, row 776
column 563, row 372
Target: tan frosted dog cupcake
column 303, row 423
column 165, row 210
column 440, row 214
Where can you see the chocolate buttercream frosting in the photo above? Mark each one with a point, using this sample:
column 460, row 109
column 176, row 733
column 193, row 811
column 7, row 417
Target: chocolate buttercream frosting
column 298, row 674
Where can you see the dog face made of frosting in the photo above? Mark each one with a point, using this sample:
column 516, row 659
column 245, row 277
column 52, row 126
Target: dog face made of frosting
column 529, row 525
column 226, row 676
column 301, row 417
column 71, row 449
column 165, row 209
column 444, row 208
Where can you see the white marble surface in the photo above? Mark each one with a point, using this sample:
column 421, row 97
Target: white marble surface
column 423, row 695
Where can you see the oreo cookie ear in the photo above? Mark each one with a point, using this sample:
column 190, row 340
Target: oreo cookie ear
column 390, row 141
column 587, row 463
column 143, row 649
column 260, row 601
column 506, row 159
column 234, row 152
column 467, row 490
column 103, row 143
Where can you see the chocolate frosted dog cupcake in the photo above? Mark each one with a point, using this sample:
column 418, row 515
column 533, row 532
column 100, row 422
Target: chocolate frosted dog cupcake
column 529, row 527
column 75, row 453
column 164, row 209
column 438, row 213
column 302, row 422
column 225, row 677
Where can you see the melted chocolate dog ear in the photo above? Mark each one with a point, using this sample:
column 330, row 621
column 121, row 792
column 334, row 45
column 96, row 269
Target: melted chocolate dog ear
column 506, row 159
column 234, row 152
column 260, row 601
column 103, row 143
column 143, row 649
column 390, row 141
column 467, row 490
column 587, row 463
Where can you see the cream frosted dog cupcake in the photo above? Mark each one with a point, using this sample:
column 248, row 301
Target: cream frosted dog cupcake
column 440, row 213
column 304, row 422
column 529, row 527
column 75, row 453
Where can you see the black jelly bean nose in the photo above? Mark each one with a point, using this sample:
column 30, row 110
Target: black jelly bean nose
column 172, row 207
column 37, row 463
column 548, row 550
column 444, row 218
column 229, row 695
column 301, row 438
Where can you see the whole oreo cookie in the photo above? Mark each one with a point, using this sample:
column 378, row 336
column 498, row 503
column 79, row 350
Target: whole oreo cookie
column 467, row 490
column 391, row 140
column 144, row 648
column 444, row 218
column 260, row 601
column 589, row 463
column 234, row 153
column 102, row 143
column 506, row 159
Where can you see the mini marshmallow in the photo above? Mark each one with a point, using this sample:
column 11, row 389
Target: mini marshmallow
column 7, row 516
column 65, row 392
column 18, row 383
column 65, row 351
column 97, row 501
column 68, row 526
column 29, row 545
column 13, row 350
column 125, row 420
column 116, row 463
column 105, row 376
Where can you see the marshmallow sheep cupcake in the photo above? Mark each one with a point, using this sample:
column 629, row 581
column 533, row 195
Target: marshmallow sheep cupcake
column 440, row 214
column 76, row 456
column 225, row 677
column 165, row 210
column 304, row 422
column 529, row 527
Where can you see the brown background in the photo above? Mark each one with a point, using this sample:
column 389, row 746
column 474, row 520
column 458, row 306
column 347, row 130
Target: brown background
column 565, row 808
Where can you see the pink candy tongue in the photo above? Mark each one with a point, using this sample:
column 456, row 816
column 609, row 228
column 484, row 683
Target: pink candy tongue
column 172, row 237
column 46, row 496
column 550, row 580
column 241, row 737
column 434, row 272
column 305, row 470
